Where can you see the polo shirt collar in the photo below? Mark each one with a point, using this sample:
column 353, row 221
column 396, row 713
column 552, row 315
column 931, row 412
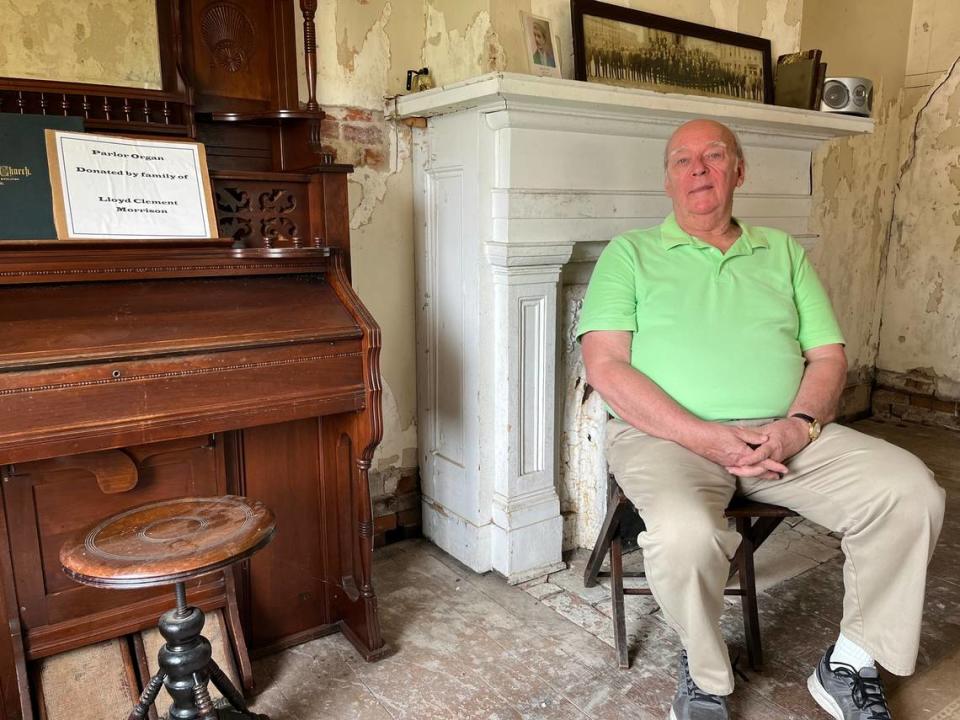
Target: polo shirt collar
column 672, row 235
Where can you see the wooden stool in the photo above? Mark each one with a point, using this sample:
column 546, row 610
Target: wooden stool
column 754, row 521
column 165, row 543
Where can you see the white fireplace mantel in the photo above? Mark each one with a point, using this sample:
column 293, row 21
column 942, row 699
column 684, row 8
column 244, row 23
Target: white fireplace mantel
column 519, row 181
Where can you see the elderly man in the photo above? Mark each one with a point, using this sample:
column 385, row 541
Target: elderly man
column 715, row 346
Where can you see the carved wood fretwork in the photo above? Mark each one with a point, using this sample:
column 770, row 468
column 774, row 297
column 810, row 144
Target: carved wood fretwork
column 268, row 216
column 272, row 210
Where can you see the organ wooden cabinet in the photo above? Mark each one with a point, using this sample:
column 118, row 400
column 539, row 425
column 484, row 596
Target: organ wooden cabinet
column 137, row 371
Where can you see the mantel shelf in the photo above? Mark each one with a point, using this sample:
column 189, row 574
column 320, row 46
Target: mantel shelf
column 509, row 91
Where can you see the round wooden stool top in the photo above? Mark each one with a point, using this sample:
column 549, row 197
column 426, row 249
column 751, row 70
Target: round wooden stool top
column 164, row 542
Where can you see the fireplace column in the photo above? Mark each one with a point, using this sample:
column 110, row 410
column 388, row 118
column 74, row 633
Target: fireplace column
column 527, row 531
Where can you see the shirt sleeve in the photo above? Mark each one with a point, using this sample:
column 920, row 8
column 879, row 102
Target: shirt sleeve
column 611, row 299
column 818, row 324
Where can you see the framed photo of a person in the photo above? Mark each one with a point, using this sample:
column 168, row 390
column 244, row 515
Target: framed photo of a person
column 542, row 55
column 628, row 48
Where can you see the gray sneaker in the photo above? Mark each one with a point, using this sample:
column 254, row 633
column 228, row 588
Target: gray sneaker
column 846, row 693
column 692, row 703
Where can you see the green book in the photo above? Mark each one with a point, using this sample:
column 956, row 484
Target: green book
column 26, row 204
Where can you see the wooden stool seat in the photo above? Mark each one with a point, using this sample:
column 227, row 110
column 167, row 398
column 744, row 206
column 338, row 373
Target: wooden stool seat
column 755, row 521
column 164, row 542
column 168, row 542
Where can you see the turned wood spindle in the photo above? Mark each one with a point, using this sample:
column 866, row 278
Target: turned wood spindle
column 309, row 9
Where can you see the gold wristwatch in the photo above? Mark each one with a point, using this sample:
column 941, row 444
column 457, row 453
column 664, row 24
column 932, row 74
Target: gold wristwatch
column 813, row 425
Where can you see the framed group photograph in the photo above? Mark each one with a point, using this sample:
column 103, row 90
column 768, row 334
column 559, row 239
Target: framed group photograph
column 543, row 57
column 628, row 48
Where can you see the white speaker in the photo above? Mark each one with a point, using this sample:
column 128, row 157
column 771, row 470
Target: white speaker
column 850, row 95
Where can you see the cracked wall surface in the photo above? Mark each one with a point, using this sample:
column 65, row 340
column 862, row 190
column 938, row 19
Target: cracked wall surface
column 920, row 331
column 94, row 41
column 854, row 179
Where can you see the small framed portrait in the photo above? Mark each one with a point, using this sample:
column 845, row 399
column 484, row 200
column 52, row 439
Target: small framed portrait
column 542, row 53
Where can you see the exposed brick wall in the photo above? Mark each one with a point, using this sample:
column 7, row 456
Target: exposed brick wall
column 357, row 136
column 920, row 405
column 396, row 504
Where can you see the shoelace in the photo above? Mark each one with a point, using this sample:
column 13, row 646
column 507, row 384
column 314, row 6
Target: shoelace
column 695, row 692
column 867, row 692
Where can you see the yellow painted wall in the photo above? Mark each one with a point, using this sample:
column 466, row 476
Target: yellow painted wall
column 93, row 41
column 854, row 179
column 920, row 334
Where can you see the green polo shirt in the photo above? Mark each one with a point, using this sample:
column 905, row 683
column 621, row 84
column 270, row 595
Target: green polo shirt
column 721, row 333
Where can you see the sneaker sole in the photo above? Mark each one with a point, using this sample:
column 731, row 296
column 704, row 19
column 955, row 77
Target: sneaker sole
column 823, row 698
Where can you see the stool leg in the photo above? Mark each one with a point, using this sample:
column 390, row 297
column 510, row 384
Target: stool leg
column 748, row 590
column 201, row 697
column 226, row 688
column 147, row 698
column 616, row 591
column 185, row 654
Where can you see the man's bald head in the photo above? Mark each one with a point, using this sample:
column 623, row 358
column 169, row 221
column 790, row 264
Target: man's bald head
column 696, row 126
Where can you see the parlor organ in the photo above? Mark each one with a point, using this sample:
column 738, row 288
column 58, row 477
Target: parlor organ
column 134, row 371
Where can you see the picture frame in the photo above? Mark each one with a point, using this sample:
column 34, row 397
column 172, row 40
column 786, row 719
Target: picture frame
column 543, row 57
column 798, row 80
column 628, row 48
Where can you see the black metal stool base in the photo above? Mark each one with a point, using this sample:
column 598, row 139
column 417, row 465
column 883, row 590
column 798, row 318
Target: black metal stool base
column 186, row 668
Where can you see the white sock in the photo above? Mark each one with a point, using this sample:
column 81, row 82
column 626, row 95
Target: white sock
column 846, row 651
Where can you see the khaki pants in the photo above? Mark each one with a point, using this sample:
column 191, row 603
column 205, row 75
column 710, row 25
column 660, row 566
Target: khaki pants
column 883, row 499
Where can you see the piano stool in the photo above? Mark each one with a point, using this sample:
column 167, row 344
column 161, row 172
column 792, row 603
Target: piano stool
column 170, row 542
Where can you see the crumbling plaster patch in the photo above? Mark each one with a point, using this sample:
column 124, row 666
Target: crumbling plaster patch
column 95, row 41
column 372, row 184
column 583, row 467
column 453, row 54
column 853, row 185
column 351, row 75
column 354, row 21
column 920, row 302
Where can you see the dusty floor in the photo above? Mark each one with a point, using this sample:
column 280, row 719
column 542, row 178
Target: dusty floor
column 470, row 646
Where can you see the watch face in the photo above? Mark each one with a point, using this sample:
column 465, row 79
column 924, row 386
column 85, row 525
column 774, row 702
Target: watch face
column 814, row 429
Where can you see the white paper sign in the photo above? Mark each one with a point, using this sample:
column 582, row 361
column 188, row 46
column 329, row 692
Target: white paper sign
column 113, row 187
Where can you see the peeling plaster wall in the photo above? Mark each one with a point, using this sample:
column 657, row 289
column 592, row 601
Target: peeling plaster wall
column 854, row 179
column 93, row 41
column 920, row 331
column 364, row 48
